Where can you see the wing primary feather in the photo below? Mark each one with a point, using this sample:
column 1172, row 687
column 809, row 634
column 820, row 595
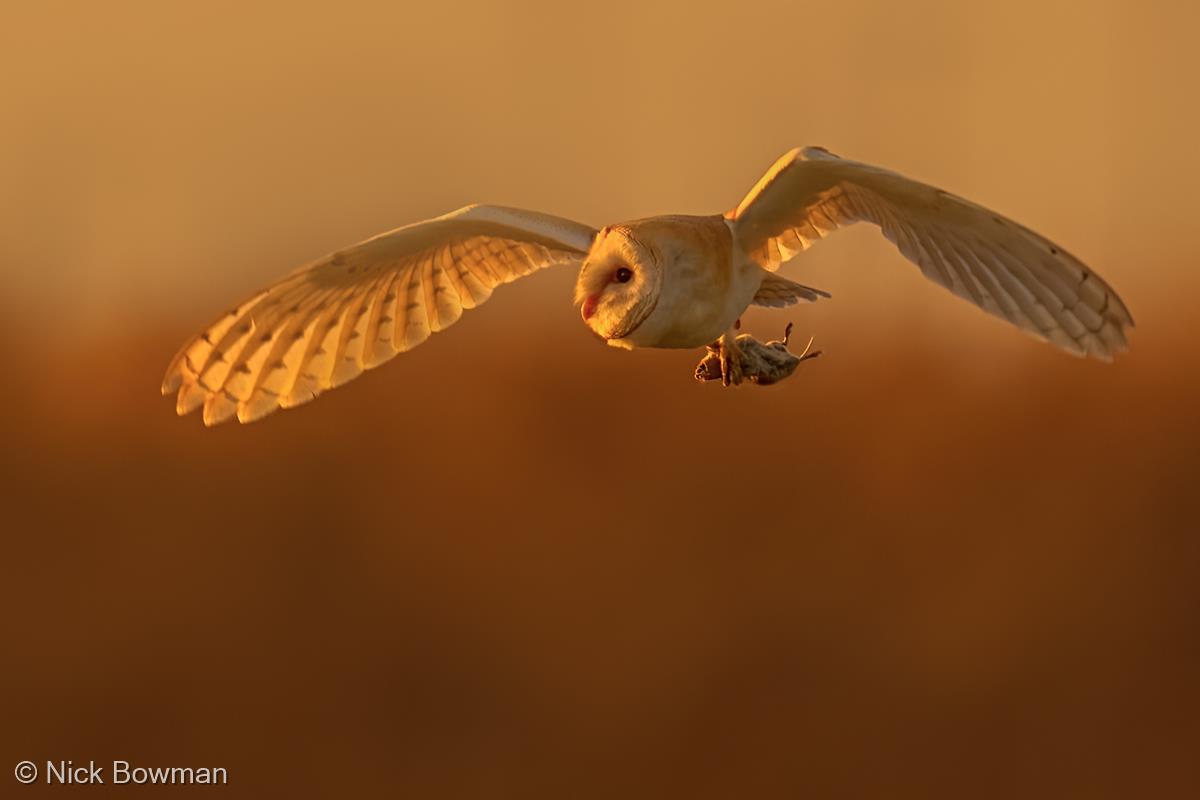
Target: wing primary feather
column 377, row 346
column 466, row 297
column 1002, row 305
column 1046, row 297
column 276, row 375
column 347, row 362
column 959, row 283
column 417, row 327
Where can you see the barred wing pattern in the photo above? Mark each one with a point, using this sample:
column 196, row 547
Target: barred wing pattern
column 995, row 263
column 358, row 307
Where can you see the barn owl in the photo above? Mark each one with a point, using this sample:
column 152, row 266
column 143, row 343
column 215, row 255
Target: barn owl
column 668, row 281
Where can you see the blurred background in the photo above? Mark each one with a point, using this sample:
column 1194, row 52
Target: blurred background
column 944, row 560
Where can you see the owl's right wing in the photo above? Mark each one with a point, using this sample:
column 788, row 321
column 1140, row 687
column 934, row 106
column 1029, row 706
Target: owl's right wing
column 356, row 308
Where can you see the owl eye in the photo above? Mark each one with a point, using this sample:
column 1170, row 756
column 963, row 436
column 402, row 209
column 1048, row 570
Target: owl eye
column 623, row 274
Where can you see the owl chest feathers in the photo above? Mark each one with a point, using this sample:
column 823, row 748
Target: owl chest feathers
column 705, row 285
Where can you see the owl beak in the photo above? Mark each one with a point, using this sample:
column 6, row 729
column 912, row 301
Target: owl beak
column 589, row 307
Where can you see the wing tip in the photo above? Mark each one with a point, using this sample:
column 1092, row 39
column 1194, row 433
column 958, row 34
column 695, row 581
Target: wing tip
column 250, row 412
column 218, row 407
column 178, row 370
column 171, row 382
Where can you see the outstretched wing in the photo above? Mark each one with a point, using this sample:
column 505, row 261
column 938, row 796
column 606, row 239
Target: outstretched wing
column 997, row 264
column 356, row 308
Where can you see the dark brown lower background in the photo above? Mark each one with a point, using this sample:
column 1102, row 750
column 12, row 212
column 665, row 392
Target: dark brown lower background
column 574, row 572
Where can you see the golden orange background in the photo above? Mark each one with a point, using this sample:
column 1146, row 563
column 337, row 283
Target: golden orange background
column 942, row 561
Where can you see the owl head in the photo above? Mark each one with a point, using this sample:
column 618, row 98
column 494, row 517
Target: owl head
column 620, row 282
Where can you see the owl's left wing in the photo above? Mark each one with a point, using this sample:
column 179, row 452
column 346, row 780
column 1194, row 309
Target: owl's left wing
column 995, row 263
column 356, row 308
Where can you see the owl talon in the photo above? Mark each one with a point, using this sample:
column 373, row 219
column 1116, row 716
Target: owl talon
column 731, row 372
column 731, row 362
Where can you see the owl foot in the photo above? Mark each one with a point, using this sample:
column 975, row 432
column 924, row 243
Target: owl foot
column 746, row 358
column 731, row 362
